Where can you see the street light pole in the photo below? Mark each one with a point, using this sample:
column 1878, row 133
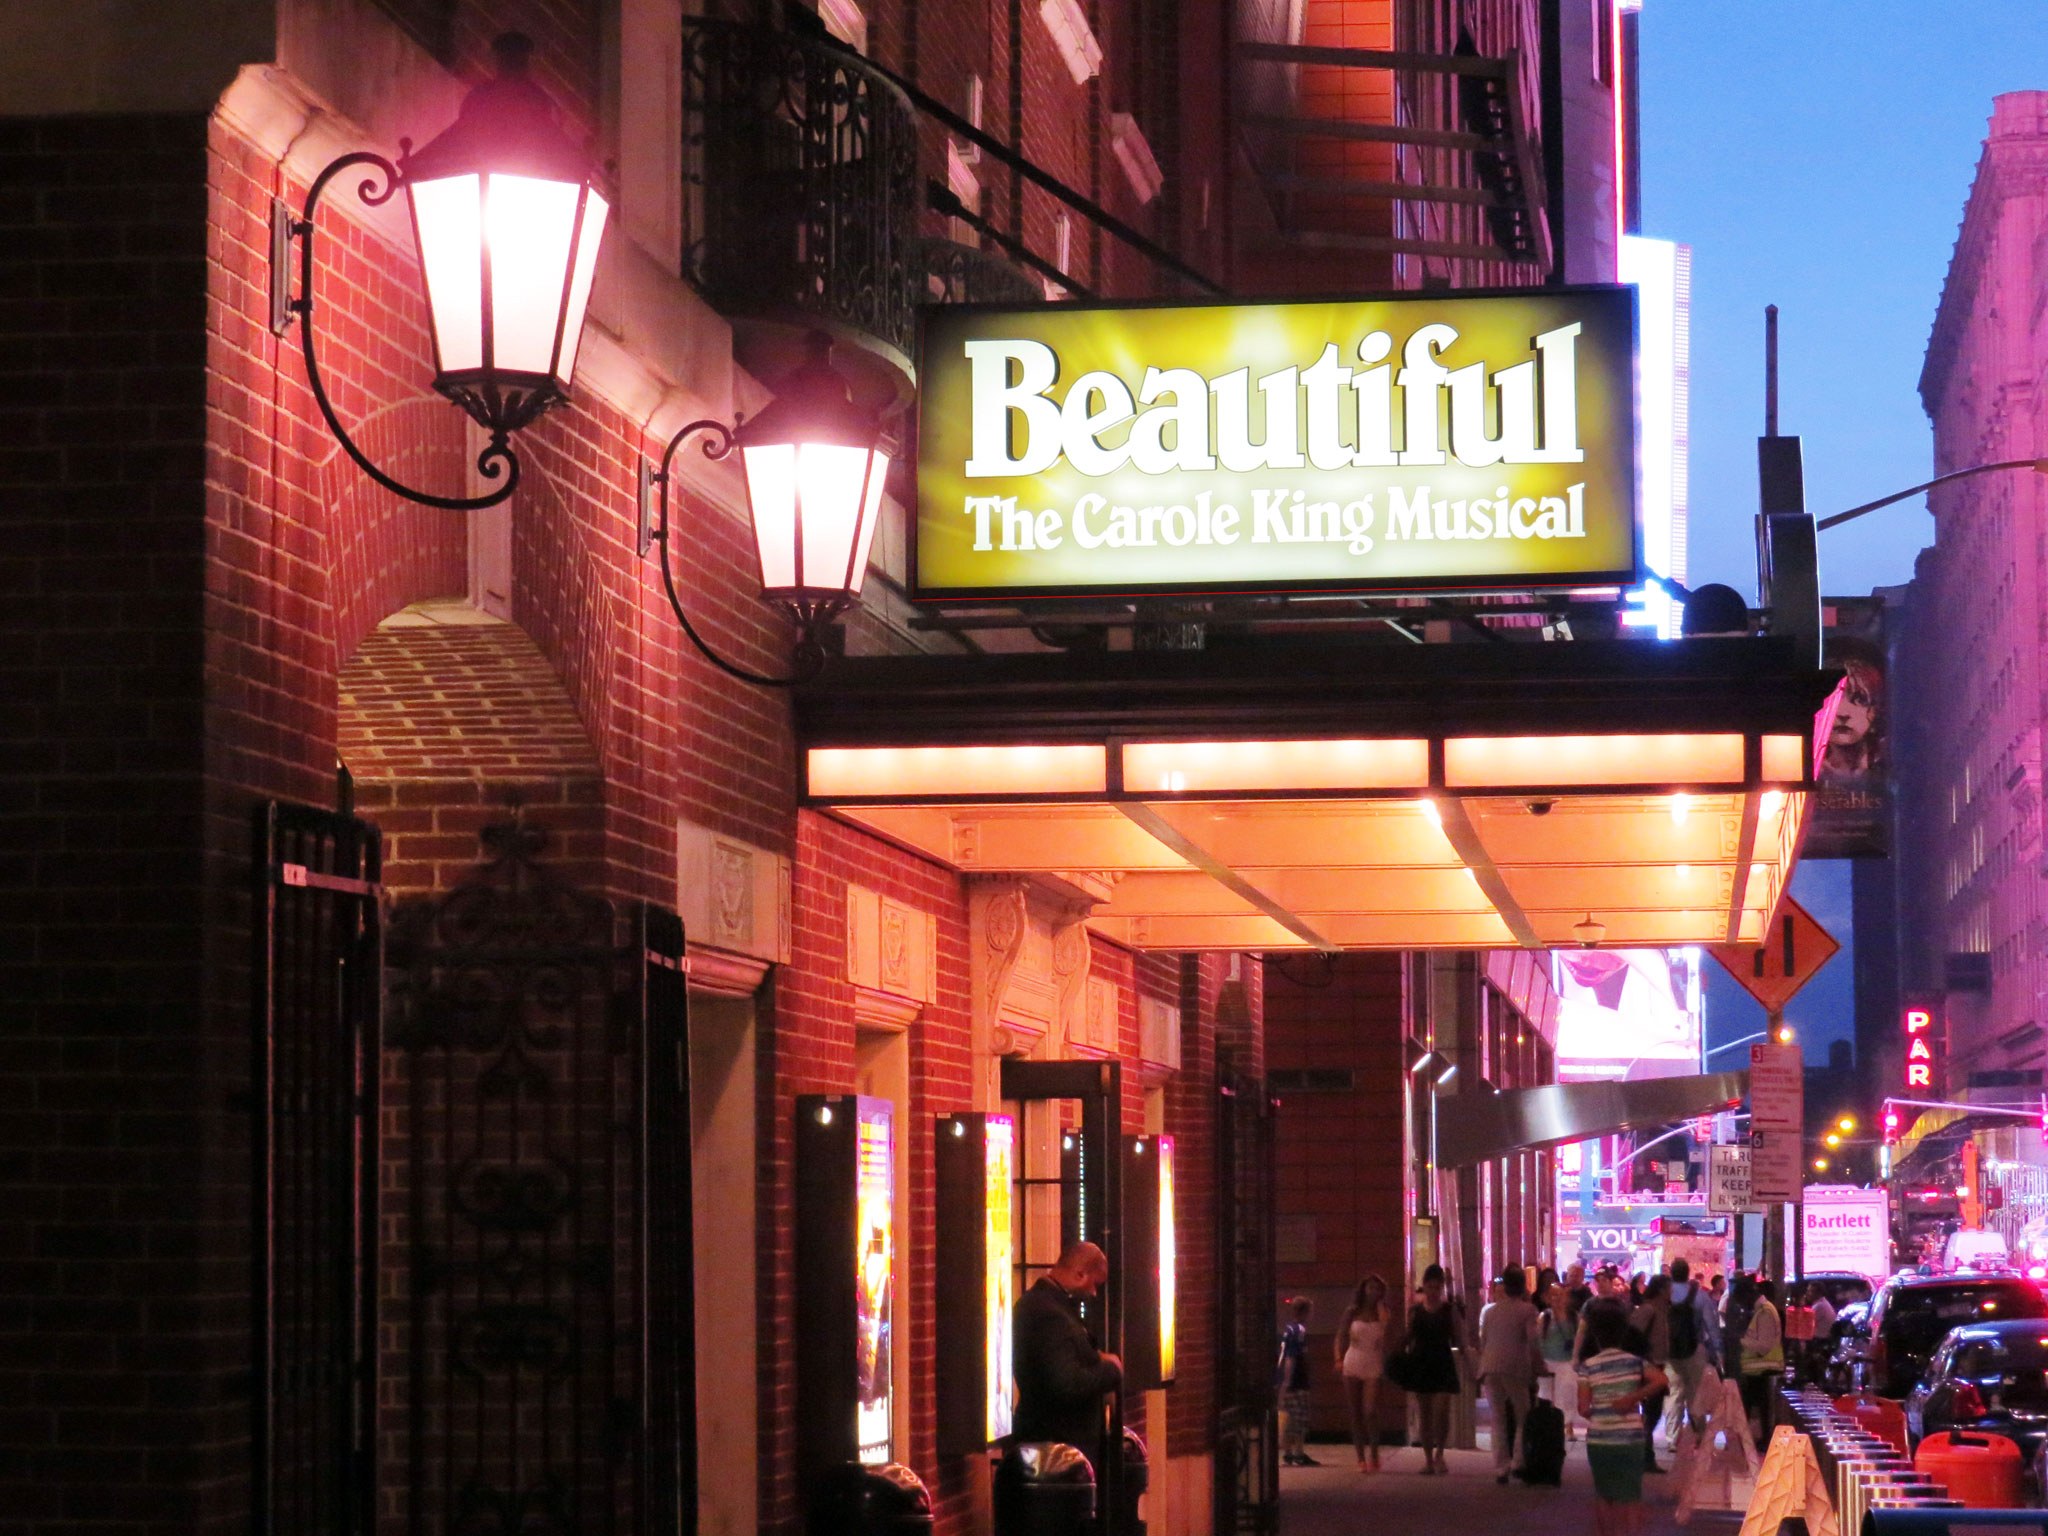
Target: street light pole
column 2039, row 466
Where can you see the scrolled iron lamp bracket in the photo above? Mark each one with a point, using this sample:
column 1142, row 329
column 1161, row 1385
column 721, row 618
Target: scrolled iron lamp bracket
column 809, row 656
column 497, row 461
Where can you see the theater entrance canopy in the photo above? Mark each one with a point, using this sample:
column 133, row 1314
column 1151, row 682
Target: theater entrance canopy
column 1343, row 795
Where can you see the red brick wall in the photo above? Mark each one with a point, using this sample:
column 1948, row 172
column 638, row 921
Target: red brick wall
column 811, row 1050
column 1339, row 1157
column 112, row 1333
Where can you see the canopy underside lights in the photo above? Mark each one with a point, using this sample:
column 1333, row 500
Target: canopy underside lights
column 1359, row 843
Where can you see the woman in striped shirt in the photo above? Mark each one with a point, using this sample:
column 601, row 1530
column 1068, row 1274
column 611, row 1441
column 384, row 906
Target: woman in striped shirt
column 1613, row 1386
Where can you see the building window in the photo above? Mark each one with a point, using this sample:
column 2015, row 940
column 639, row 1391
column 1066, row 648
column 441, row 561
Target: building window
column 845, row 20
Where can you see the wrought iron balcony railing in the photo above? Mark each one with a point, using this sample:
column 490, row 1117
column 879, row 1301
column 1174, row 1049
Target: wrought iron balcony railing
column 805, row 202
column 966, row 274
column 800, row 166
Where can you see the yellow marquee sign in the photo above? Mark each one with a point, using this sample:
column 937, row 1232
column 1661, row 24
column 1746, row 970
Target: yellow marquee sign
column 1425, row 442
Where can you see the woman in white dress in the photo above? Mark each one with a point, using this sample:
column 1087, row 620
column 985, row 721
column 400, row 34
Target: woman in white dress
column 1362, row 1360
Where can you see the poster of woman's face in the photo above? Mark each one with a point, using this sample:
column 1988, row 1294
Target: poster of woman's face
column 1851, row 812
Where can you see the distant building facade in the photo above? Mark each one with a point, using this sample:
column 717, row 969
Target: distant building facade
column 1970, row 702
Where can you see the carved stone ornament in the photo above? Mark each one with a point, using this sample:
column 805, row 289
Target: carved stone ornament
column 732, row 894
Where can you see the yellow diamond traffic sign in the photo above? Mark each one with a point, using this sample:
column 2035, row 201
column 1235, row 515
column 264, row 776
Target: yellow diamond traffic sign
column 1796, row 948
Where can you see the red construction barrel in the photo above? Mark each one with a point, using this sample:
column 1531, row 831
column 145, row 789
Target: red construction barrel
column 1879, row 1415
column 1983, row 1471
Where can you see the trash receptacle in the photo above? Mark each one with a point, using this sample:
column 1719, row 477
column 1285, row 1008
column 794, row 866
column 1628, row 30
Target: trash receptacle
column 1880, row 1415
column 856, row 1500
column 1137, row 1477
column 1043, row 1488
column 1983, row 1471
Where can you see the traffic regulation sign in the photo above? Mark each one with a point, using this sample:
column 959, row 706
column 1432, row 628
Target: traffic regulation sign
column 1796, row 948
column 1728, row 1189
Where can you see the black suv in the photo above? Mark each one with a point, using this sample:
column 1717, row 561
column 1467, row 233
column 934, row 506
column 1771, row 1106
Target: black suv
column 1914, row 1313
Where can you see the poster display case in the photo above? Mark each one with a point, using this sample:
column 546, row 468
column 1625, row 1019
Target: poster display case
column 975, row 1171
column 1149, row 1263
column 845, row 1280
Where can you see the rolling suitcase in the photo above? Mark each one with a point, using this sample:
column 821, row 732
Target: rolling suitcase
column 1543, row 1445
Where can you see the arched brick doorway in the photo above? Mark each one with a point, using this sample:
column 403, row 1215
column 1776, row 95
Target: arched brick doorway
column 533, row 1366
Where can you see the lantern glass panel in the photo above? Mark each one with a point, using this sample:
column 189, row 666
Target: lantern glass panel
column 448, row 219
column 771, row 491
column 871, row 517
column 595, row 211
column 530, row 226
column 832, row 481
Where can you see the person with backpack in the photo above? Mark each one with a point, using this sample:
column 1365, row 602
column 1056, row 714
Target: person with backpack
column 1692, row 1325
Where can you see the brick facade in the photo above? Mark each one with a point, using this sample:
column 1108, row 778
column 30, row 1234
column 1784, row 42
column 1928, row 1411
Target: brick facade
column 199, row 582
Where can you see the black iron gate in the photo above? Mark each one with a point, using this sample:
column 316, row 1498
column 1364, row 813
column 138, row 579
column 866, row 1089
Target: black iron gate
column 1247, row 1477
column 473, row 1246
column 538, row 1374
column 316, row 968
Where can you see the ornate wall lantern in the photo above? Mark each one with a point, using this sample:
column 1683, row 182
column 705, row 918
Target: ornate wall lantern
column 507, row 218
column 814, row 467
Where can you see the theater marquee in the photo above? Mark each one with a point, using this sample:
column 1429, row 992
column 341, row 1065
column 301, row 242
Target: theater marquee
column 1468, row 443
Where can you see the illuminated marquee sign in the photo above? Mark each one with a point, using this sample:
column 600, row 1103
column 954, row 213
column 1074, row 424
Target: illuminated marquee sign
column 999, row 1275
column 975, row 1264
column 1919, row 1024
column 1466, row 443
column 1168, row 1257
column 874, row 1227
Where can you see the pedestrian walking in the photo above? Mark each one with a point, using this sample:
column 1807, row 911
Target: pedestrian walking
column 1613, row 1386
column 1293, row 1383
column 1763, row 1352
column 1691, row 1327
column 1509, row 1360
column 1430, row 1369
column 1362, row 1362
column 1556, row 1332
column 1651, row 1322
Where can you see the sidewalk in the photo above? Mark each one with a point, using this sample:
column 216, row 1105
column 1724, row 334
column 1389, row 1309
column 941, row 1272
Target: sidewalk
column 1336, row 1500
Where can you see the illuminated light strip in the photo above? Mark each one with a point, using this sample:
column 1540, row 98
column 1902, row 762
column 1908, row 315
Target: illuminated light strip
column 1784, row 759
column 1172, row 767
column 1221, row 873
column 1484, row 762
column 1464, row 840
column 953, row 772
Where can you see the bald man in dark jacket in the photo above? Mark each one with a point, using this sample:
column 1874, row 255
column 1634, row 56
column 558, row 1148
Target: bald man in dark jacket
column 1061, row 1375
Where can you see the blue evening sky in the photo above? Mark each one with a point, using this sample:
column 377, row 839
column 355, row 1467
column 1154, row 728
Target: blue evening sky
column 1816, row 155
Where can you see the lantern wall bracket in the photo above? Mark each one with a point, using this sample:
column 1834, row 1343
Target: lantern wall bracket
column 496, row 462
column 654, row 530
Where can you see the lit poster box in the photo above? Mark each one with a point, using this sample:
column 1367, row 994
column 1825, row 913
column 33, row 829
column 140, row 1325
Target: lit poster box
column 1413, row 442
column 975, row 1168
column 845, row 1279
column 1149, row 1262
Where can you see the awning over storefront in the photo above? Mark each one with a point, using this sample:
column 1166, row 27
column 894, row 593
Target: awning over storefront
column 1345, row 796
column 1474, row 1127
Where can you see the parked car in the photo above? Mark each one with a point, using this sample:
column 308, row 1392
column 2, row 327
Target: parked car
column 1912, row 1314
column 1991, row 1378
column 1840, row 1286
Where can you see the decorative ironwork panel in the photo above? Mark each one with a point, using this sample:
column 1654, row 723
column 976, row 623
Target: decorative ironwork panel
column 1247, row 1476
column 526, row 1373
column 800, row 165
column 965, row 274
column 316, row 968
